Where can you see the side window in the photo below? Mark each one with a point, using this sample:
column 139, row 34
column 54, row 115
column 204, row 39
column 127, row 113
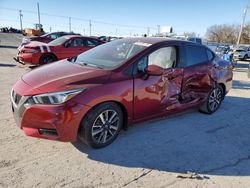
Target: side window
column 163, row 57
column 142, row 64
column 69, row 43
column 54, row 36
column 77, row 42
column 92, row 42
column 210, row 55
column 195, row 55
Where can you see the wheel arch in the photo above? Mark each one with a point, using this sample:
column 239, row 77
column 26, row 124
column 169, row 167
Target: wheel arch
column 224, row 88
column 123, row 108
column 48, row 53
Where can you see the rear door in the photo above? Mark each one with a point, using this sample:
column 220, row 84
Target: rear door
column 155, row 95
column 197, row 70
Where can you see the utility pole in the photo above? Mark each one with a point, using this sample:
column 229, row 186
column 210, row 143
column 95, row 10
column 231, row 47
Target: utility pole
column 21, row 22
column 158, row 26
column 90, row 25
column 38, row 11
column 242, row 25
column 116, row 31
column 50, row 29
column 69, row 24
column 84, row 31
column 148, row 31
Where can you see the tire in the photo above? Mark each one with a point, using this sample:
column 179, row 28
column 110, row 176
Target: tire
column 101, row 126
column 47, row 58
column 214, row 100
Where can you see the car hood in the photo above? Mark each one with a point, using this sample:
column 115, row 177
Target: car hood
column 64, row 75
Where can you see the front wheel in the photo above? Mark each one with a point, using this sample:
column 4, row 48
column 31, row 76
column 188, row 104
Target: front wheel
column 214, row 100
column 101, row 125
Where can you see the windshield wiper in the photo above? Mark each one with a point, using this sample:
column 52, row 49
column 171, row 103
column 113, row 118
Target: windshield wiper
column 90, row 65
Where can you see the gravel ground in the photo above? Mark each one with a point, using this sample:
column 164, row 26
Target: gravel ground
column 158, row 153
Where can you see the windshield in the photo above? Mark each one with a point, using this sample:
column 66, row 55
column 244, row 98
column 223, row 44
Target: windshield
column 112, row 54
column 58, row 41
column 241, row 47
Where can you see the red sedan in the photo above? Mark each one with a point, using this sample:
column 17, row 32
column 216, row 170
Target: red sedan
column 39, row 53
column 117, row 84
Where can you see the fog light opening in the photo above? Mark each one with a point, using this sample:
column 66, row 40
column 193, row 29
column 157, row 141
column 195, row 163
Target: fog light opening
column 49, row 132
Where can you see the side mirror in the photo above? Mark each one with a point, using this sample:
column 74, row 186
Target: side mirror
column 154, row 70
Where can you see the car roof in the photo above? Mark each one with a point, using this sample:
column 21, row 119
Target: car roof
column 155, row 40
column 78, row 36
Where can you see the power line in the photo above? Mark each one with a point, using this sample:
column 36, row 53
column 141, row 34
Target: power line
column 81, row 19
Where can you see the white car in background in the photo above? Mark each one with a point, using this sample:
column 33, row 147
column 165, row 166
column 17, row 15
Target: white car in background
column 241, row 53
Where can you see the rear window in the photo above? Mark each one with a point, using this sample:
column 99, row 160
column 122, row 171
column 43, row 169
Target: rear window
column 58, row 41
column 196, row 55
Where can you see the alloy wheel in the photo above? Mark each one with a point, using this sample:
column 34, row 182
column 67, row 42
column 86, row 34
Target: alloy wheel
column 105, row 126
column 215, row 99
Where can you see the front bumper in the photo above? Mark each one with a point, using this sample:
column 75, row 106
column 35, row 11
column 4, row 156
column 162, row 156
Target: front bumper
column 53, row 122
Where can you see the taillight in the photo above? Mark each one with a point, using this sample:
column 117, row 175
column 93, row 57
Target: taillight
column 32, row 51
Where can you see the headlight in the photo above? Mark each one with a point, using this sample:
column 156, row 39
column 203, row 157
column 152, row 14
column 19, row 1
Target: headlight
column 56, row 98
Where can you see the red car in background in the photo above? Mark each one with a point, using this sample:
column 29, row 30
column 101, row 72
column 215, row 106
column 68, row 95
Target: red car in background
column 123, row 82
column 38, row 53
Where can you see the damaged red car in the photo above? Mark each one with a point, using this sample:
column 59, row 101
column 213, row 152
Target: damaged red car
column 108, row 88
column 38, row 53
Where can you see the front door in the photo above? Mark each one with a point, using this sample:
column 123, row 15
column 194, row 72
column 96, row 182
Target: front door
column 73, row 47
column 155, row 95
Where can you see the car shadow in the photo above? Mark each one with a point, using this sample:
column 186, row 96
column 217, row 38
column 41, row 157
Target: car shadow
column 32, row 67
column 241, row 85
column 7, row 65
column 8, row 46
column 215, row 144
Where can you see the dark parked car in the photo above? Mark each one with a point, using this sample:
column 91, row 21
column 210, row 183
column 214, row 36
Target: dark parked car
column 195, row 40
column 46, row 38
column 117, row 84
column 108, row 38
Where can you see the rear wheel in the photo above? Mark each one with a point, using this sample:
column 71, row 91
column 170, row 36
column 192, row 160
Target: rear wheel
column 47, row 58
column 214, row 100
column 101, row 125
